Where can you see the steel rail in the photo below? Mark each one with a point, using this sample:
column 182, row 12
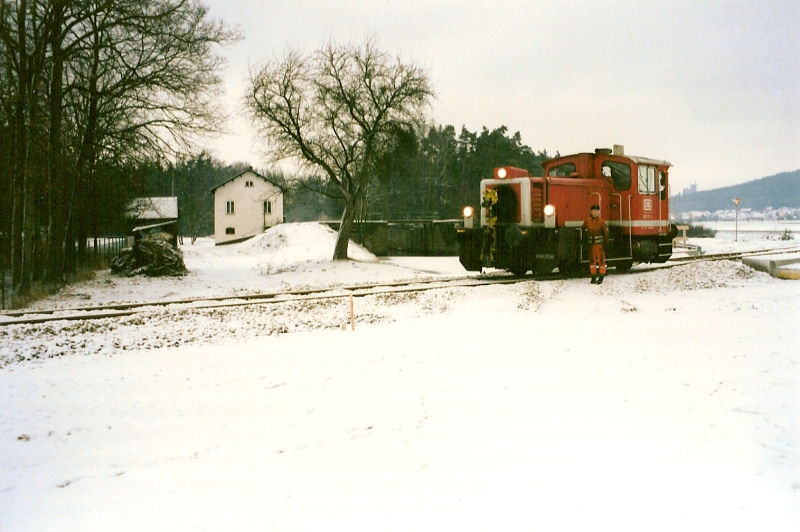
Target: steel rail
column 189, row 301
column 330, row 292
column 122, row 310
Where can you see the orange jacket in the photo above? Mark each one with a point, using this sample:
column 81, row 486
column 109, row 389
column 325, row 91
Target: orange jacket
column 596, row 229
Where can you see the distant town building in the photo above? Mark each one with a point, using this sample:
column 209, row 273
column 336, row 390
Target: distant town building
column 691, row 190
column 745, row 213
column 153, row 216
column 245, row 205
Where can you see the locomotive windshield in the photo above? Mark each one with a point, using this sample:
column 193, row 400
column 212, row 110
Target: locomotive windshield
column 507, row 205
column 620, row 173
column 562, row 170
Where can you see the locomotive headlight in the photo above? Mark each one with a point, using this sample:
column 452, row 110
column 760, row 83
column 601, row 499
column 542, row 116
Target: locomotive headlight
column 469, row 217
column 549, row 216
column 501, row 173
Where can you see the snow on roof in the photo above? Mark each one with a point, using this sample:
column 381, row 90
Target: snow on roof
column 646, row 160
column 164, row 208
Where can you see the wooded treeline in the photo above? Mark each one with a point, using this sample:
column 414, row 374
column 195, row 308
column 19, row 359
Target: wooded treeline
column 89, row 91
column 430, row 174
column 434, row 175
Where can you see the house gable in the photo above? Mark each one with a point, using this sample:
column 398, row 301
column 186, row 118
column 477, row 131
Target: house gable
column 245, row 205
column 249, row 172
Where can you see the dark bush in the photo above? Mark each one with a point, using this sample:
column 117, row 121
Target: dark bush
column 699, row 231
column 151, row 256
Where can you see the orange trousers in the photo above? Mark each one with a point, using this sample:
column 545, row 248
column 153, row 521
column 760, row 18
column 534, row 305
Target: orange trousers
column 598, row 261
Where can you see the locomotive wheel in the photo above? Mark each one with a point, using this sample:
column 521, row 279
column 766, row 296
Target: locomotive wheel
column 518, row 266
column 624, row 266
column 519, row 270
column 541, row 267
column 570, row 269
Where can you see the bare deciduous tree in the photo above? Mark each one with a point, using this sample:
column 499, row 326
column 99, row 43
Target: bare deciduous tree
column 336, row 111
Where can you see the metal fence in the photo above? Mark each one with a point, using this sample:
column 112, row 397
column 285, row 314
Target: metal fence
column 405, row 237
column 97, row 254
column 100, row 250
column 5, row 274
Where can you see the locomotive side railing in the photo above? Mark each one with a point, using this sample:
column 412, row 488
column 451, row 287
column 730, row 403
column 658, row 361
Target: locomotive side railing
column 622, row 223
column 620, row 206
column 630, row 230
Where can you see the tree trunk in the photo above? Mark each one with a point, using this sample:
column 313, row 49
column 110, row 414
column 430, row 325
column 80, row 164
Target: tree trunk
column 345, row 228
column 20, row 241
column 76, row 220
column 55, row 260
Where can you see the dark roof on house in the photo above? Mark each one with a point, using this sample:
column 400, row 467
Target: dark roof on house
column 268, row 180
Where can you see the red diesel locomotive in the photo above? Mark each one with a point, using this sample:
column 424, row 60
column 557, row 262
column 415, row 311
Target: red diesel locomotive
column 534, row 223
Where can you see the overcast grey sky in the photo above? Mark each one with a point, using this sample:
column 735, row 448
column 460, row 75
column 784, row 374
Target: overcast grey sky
column 711, row 86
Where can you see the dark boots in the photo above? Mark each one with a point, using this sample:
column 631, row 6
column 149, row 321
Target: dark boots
column 597, row 279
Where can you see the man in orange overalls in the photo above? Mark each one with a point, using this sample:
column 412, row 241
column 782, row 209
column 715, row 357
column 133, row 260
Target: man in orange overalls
column 597, row 232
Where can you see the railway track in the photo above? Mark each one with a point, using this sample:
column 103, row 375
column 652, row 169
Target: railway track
column 736, row 255
column 362, row 290
column 20, row 317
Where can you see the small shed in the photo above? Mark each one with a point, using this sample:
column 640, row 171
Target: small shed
column 245, row 205
column 153, row 216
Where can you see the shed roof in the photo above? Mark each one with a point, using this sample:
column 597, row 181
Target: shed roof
column 164, row 208
column 215, row 187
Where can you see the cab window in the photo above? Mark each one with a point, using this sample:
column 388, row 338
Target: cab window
column 562, row 170
column 647, row 179
column 620, row 173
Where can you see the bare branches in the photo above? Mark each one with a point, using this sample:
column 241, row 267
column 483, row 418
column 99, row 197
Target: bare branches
column 338, row 111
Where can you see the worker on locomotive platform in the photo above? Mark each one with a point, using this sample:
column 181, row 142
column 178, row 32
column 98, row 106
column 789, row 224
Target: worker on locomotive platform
column 597, row 233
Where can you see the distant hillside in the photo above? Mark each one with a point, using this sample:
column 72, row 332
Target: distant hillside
column 779, row 190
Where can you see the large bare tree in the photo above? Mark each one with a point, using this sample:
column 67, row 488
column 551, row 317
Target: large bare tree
column 336, row 111
column 87, row 84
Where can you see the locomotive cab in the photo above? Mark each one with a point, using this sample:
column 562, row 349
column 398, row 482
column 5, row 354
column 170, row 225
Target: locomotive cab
column 534, row 223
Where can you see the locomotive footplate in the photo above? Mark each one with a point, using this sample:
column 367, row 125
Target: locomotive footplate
column 469, row 248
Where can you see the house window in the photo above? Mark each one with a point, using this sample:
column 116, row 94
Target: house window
column 248, row 183
column 230, row 231
column 230, row 208
column 267, row 207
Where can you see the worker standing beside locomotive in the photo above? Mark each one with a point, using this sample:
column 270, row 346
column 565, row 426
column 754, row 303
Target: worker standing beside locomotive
column 597, row 234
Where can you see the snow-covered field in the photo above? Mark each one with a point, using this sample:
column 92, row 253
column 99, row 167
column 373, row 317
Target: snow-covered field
column 660, row 400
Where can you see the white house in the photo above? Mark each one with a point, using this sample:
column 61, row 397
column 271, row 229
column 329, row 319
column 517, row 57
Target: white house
column 245, row 205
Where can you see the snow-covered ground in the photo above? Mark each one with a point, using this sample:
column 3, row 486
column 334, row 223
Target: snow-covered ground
column 659, row 400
